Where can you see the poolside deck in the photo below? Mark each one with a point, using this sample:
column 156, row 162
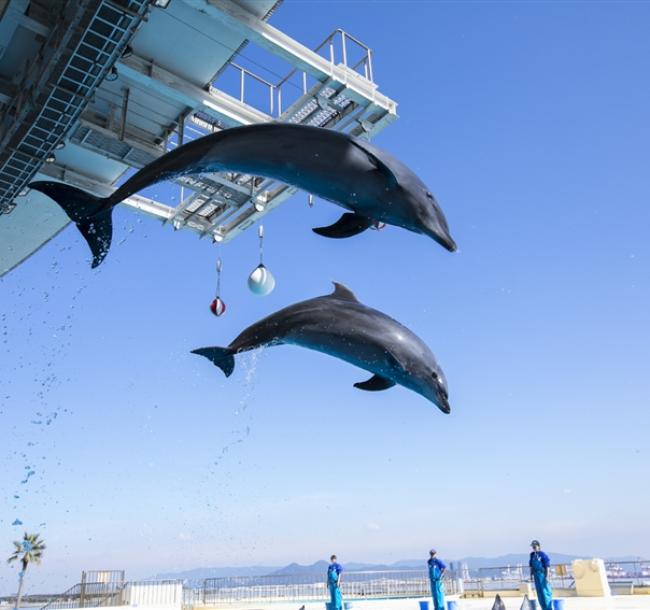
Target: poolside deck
column 615, row 602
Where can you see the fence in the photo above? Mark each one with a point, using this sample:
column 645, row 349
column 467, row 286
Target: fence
column 510, row 578
column 340, row 48
column 119, row 593
column 310, row 587
column 89, row 595
column 623, row 576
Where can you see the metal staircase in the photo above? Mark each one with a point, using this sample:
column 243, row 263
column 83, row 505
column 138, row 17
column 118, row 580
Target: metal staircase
column 44, row 111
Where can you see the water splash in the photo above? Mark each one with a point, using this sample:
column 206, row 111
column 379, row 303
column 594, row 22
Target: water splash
column 38, row 332
column 248, row 364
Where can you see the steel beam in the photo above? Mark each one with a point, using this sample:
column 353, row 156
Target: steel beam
column 7, row 91
column 14, row 16
column 217, row 104
column 137, row 202
column 94, row 122
column 261, row 33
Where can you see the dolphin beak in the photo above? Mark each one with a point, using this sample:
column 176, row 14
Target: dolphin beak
column 443, row 238
column 442, row 401
column 449, row 243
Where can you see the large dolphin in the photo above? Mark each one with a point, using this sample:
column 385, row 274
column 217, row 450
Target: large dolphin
column 339, row 325
column 336, row 166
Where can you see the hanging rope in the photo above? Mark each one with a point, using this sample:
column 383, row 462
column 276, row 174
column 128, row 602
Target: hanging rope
column 260, row 232
column 219, row 266
column 261, row 281
column 218, row 307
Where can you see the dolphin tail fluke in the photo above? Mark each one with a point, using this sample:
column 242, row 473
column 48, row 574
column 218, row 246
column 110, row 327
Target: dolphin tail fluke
column 348, row 225
column 98, row 232
column 91, row 214
column 221, row 356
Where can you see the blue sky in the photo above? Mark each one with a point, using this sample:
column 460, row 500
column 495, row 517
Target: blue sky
column 529, row 122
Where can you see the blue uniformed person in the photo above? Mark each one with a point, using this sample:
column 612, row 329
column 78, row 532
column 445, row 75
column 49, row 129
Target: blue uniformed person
column 436, row 572
column 540, row 572
column 333, row 583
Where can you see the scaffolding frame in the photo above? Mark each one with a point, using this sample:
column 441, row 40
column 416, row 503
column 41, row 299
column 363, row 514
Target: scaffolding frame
column 335, row 92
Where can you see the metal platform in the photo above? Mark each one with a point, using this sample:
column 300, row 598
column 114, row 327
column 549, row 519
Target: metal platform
column 103, row 93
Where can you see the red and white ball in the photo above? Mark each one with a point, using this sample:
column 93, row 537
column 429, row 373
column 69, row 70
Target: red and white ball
column 218, row 307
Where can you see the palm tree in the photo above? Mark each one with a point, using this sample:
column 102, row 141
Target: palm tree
column 28, row 550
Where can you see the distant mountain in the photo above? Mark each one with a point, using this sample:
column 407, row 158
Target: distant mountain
column 320, row 567
column 296, row 568
column 473, row 563
column 406, row 564
column 512, row 559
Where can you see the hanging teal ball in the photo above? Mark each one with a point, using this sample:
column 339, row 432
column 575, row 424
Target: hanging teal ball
column 261, row 282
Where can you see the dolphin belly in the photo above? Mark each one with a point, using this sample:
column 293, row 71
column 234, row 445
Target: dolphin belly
column 370, row 357
column 318, row 160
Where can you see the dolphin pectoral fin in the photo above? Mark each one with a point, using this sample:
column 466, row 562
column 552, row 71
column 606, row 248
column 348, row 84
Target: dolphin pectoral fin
column 348, row 225
column 375, row 384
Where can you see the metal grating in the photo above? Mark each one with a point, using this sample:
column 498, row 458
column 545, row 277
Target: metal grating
column 110, row 27
column 113, row 147
column 242, row 198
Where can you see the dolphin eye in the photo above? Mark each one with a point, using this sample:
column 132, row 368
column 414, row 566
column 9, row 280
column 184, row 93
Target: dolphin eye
column 442, row 383
column 429, row 195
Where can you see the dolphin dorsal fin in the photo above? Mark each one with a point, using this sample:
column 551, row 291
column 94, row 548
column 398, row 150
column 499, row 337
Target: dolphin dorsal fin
column 343, row 293
column 376, row 161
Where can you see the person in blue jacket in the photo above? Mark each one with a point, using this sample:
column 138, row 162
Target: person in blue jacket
column 540, row 572
column 436, row 572
column 333, row 583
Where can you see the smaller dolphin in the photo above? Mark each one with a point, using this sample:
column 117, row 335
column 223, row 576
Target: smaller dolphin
column 370, row 183
column 339, row 325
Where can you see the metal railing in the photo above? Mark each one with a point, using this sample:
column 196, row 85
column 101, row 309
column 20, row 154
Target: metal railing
column 340, row 48
column 246, row 75
column 89, row 595
column 365, row 61
column 626, row 577
column 310, row 587
column 344, row 52
column 637, row 570
column 114, row 592
column 510, row 578
column 623, row 576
